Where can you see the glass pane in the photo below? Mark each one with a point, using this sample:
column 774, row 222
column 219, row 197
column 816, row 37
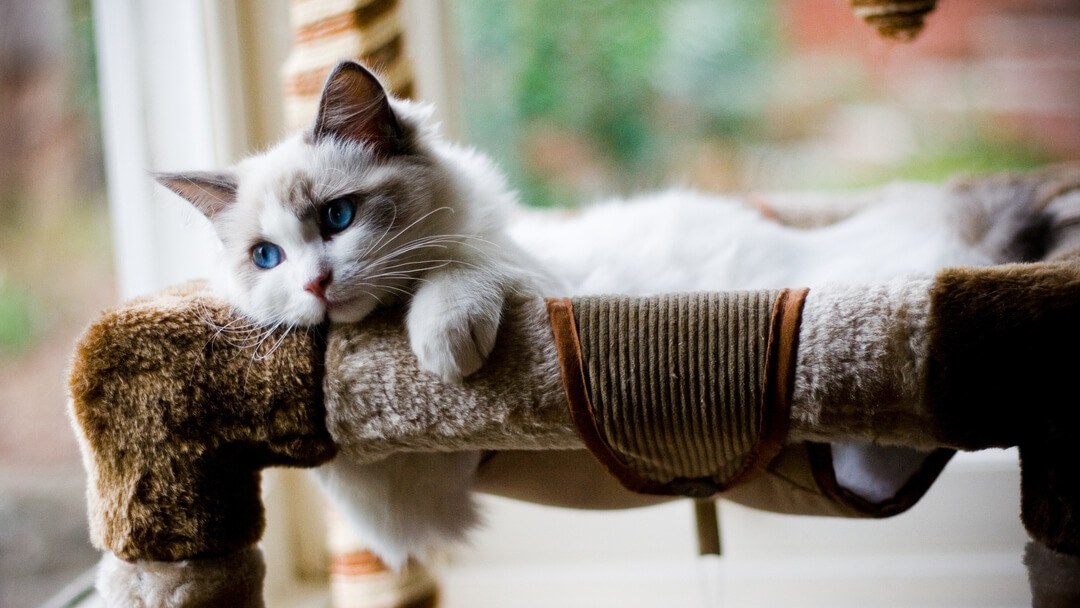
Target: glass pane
column 585, row 99
column 55, row 275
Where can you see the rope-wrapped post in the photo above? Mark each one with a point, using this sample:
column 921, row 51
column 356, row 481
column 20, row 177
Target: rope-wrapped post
column 324, row 33
column 895, row 19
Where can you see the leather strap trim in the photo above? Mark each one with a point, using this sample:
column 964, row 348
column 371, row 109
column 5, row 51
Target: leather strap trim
column 568, row 346
column 778, row 386
column 779, row 383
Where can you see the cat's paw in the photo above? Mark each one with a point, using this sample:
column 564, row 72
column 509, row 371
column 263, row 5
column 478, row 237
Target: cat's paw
column 452, row 331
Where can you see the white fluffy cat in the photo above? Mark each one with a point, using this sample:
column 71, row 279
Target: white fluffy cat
column 370, row 208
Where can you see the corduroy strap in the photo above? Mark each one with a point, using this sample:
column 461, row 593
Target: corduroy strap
column 681, row 394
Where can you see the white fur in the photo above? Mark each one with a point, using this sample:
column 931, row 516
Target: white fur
column 685, row 241
column 405, row 505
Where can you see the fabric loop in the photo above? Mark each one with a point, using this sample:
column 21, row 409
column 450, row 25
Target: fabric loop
column 680, row 394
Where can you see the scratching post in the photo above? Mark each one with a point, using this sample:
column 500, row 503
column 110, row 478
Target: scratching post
column 161, row 415
column 896, row 19
column 175, row 417
column 368, row 31
column 1001, row 361
column 183, row 482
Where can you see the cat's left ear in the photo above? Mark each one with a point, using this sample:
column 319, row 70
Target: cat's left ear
column 355, row 107
column 210, row 192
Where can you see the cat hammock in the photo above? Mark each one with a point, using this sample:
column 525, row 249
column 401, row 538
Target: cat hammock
column 698, row 395
column 174, row 487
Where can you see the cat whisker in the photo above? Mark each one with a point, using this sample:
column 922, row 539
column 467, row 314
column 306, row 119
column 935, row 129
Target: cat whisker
column 379, row 241
column 256, row 355
column 457, row 239
column 430, row 242
column 420, row 266
column 227, row 331
column 277, row 344
column 411, row 225
column 401, row 291
column 395, row 275
column 374, row 295
column 475, row 247
column 426, row 264
column 409, row 269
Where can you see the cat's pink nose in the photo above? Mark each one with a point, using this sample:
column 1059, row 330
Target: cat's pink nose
column 317, row 286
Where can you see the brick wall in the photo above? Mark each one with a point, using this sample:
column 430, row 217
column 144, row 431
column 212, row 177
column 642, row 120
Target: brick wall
column 1012, row 63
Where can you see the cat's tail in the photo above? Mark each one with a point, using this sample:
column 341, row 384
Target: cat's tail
column 407, row 505
column 1022, row 217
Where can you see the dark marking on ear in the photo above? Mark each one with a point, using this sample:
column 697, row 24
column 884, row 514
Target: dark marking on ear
column 355, row 107
column 210, row 192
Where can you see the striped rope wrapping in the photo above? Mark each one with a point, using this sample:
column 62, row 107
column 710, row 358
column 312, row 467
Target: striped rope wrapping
column 359, row 579
column 326, row 32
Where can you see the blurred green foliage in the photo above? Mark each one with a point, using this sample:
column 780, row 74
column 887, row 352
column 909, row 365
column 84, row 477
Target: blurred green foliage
column 17, row 327
column 584, row 99
column 54, row 242
column 970, row 157
column 613, row 72
column 85, row 95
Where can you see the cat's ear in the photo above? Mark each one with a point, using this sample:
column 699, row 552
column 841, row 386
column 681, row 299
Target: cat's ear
column 210, row 192
column 355, row 107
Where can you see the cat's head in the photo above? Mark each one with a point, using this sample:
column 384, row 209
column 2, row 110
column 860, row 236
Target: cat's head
column 331, row 222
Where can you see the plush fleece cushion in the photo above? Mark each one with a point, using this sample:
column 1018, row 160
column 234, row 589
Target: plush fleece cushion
column 177, row 408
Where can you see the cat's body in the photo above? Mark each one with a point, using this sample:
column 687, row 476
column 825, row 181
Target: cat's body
column 689, row 241
column 371, row 208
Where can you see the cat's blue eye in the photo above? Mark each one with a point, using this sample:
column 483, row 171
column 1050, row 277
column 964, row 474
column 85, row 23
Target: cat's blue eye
column 267, row 255
column 337, row 215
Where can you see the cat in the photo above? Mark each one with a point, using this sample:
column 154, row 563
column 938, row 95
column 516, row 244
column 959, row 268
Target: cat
column 371, row 207
column 368, row 208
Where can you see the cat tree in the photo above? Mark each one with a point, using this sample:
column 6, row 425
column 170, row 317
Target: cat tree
column 177, row 501
column 371, row 31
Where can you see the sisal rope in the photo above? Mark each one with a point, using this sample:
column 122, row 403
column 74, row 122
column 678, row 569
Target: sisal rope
column 896, row 19
column 326, row 32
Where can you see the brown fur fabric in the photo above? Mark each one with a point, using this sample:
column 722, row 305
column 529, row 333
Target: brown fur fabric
column 176, row 416
column 1050, row 488
column 379, row 401
column 997, row 337
column 1054, row 577
column 1001, row 372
